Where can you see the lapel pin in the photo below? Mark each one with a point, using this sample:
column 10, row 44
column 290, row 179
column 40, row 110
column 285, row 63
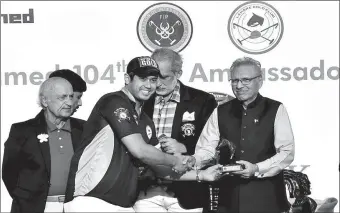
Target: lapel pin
column 43, row 138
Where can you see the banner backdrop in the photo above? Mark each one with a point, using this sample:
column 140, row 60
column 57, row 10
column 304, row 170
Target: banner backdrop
column 296, row 42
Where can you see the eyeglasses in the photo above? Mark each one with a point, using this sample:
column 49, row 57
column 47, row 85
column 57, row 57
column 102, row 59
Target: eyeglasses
column 244, row 81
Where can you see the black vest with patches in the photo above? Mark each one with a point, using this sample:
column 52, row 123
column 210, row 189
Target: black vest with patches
column 252, row 131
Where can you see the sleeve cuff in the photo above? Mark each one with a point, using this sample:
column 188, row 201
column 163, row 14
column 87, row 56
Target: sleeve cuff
column 199, row 160
column 260, row 173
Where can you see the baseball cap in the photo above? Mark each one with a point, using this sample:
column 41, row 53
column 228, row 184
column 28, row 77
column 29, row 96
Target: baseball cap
column 143, row 66
column 78, row 84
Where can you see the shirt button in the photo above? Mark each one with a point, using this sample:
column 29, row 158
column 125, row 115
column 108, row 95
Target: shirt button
column 242, row 151
column 61, row 146
column 245, row 114
column 243, row 139
column 244, row 127
column 59, row 138
column 58, row 130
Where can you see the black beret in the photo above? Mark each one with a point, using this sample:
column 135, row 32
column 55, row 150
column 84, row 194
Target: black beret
column 78, row 84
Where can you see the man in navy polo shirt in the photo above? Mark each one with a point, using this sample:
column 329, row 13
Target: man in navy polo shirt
column 117, row 137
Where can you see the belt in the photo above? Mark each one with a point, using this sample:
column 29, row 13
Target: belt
column 56, row 198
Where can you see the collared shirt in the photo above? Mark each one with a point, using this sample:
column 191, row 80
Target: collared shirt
column 284, row 144
column 61, row 150
column 164, row 112
column 130, row 96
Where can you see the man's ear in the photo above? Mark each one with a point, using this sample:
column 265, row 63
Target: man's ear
column 44, row 101
column 179, row 74
column 127, row 79
column 260, row 81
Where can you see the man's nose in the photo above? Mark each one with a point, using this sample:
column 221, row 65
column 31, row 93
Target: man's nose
column 147, row 84
column 239, row 84
column 69, row 101
column 80, row 102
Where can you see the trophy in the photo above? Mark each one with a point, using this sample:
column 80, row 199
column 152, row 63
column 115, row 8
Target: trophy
column 228, row 165
column 226, row 149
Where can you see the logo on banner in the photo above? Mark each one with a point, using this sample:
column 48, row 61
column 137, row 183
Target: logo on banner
column 164, row 25
column 255, row 27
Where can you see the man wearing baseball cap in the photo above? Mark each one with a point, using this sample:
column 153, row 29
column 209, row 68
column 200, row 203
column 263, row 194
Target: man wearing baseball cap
column 117, row 137
column 78, row 84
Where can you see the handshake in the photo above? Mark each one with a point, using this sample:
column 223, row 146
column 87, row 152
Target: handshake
column 183, row 163
column 187, row 163
column 173, row 147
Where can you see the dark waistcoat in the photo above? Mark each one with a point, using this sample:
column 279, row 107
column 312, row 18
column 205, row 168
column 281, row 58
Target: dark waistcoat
column 252, row 131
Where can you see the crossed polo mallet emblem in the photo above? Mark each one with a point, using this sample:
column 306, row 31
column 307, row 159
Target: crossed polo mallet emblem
column 254, row 21
column 165, row 32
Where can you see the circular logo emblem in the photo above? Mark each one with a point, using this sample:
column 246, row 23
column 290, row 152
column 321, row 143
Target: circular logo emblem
column 164, row 25
column 188, row 129
column 148, row 131
column 255, row 27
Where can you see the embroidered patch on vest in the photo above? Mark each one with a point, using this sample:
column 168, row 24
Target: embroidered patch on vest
column 188, row 129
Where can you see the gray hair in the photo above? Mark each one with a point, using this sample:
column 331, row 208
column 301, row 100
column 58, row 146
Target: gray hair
column 246, row 61
column 46, row 87
column 165, row 54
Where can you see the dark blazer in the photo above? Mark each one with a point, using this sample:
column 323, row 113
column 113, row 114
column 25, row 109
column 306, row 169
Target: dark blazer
column 26, row 166
column 203, row 104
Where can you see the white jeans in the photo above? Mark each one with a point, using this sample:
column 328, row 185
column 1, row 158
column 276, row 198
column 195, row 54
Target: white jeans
column 93, row 204
column 55, row 207
column 158, row 200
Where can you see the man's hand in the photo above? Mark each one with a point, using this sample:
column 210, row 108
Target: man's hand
column 249, row 171
column 184, row 163
column 189, row 160
column 212, row 173
column 171, row 146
